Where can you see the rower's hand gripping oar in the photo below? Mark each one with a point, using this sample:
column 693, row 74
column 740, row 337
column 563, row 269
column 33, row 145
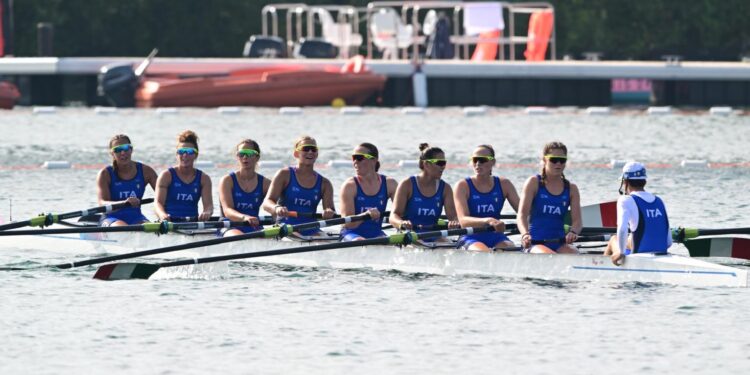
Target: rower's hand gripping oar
column 45, row 220
column 274, row 232
column 125, row 271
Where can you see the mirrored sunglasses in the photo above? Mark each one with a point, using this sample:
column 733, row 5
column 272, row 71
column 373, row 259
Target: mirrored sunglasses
column 556, row 159
column 122, row 148
column 187, row 151
column 481, row 159
column 360, row 157
column 247, row 152
column 307, row 148
column 438, row 162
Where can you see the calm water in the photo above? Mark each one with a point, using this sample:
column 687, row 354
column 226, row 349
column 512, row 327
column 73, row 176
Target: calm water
column 273, row 319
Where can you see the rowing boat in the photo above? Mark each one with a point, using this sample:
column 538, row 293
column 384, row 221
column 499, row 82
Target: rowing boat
column 644, row 268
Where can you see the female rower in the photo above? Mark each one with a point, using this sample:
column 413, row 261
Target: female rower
column 479, row 200
column 420, row 199
column 642, row 214
column 366, row 191
column 241, row 192
column 545, row 202
column 300, row 189
column 179, row 188
column 123, row 181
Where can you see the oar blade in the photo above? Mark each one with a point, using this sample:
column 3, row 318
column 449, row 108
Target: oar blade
column 126, row 271
column 728, row 247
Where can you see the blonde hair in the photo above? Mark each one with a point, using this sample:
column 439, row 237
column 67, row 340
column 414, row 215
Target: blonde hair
column 188, row 136
column 304, row 140
column 555, row 145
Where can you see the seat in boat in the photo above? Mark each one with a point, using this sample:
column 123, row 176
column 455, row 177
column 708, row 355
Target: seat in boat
column 389, row 34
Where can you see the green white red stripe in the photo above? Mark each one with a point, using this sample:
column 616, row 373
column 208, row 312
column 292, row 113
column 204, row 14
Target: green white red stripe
column 600, row 215
column 730, row 247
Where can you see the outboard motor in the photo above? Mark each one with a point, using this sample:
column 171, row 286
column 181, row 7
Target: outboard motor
column 117, row 83
column 315, row 49
column 264, row 46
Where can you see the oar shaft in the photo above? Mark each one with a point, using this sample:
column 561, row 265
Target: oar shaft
column 49, row 219
column 396, row 239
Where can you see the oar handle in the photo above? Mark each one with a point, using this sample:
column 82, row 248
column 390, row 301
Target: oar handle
column 45, row 220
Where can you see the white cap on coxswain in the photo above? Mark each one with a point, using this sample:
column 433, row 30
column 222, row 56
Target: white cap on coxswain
column 633, row 171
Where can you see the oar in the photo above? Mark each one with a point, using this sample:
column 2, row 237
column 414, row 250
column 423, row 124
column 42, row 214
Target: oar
column 265, row 233
column 678, row 234
column 730, row 247
column 45, row 220
column 159, row 228
column 125, row 271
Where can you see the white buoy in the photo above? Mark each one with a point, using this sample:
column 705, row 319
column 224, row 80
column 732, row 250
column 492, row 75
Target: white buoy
column 228, row 110
column 290, row 111
column 616, row 164
column 167, row 111
column 44, row 110
column 351, row 110
column 720, row 111
column 413, row 111
column 204, row 164
column 475, row 111
column 56, row 164
column 598, row 111
column 657, row 111
column 270, row 164
column 339, row 163
column 536, row 110
column 105, row 110
column 694, row 164
column 408, row 163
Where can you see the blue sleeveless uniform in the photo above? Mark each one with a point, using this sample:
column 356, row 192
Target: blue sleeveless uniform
column 422, row 210
column 302, row 200
column 247, row 203
column 485, row 205
column 548, row 214
column 653, row 226
column 362, row 202
column 182, row 197
column 119, row 190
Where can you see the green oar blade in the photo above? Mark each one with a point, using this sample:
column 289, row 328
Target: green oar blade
column 730, row 247
column 126, row 271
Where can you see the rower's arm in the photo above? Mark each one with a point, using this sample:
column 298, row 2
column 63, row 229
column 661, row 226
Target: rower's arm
column 162, row 185
column 403, row 192
column 150, row 176
column 511, row 195
column 226, row 200
column 460, row 201
column 279, row 182
column 524, row 209
column 346, row 200
column 575, row 209
column 328, row 196
column 102, row 188
column 206, row 197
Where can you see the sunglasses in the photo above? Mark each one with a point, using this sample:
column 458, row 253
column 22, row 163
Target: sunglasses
column 438, row 162
column 554, row 159
column 360, row 157
column 122, row 148
column 307, row 148
column 247, row 152
column 187, row 151
column 481, row 159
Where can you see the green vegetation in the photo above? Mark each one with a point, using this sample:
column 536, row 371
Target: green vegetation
column 620, row 29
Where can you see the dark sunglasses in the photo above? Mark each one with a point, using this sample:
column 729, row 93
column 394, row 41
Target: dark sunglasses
column 556, row 159
column 360, row 157
column 308, row 148
column 438, row 162
column 481, row 159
